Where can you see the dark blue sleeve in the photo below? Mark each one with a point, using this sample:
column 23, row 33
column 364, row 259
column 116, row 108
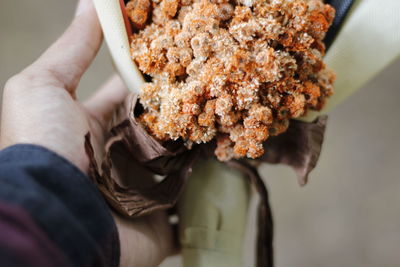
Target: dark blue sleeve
column 53, row 210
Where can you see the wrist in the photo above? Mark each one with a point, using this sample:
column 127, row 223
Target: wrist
column 136, row 245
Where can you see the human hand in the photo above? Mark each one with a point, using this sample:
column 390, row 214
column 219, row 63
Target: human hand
column 40, row 107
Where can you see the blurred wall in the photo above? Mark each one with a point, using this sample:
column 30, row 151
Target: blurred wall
column 348, row 215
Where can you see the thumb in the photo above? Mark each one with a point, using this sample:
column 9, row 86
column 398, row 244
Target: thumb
column 69, row 57
column 83, row 5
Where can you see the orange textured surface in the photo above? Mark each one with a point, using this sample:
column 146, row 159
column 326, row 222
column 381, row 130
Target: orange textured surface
column 234, row 72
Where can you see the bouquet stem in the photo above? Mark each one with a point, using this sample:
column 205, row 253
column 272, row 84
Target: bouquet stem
column 213, row 215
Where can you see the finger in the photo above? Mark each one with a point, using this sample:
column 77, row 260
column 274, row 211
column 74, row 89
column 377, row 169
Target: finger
column 102, row 104
column 69, row 57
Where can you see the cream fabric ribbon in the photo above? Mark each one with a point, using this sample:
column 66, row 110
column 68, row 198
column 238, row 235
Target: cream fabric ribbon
column 113, row 25
column 367, row 43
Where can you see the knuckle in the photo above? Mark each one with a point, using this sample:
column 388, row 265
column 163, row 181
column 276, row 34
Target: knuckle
column 14, row 83
column 32, row 79
column 22, row 82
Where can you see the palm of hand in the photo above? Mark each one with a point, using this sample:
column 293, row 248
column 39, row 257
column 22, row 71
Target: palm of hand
column 47, row 115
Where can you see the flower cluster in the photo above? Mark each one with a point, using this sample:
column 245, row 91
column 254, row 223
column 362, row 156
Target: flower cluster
column 235, row 71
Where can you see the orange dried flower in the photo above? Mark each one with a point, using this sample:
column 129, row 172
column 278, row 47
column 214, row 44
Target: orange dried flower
column 236, row 71
column 138, row 11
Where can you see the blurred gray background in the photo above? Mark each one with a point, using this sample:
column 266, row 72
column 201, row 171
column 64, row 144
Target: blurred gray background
column 348, row 215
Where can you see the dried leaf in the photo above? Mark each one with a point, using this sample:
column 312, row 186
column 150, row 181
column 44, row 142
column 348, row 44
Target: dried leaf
column 130, row 145
column 299, row 147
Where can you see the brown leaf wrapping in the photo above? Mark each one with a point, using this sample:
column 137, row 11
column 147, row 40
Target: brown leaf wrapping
column 299, row 147
column 130, row 147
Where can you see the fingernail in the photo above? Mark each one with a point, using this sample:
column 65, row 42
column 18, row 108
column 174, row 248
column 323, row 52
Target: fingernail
column 82, row 6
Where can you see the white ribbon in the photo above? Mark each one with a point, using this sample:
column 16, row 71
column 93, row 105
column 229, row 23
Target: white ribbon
column 112, row 22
